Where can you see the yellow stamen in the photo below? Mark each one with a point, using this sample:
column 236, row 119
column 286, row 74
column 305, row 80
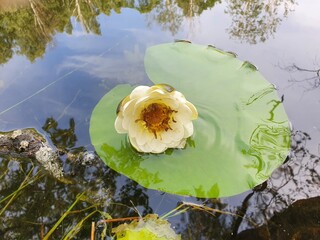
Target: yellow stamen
column 157, row 117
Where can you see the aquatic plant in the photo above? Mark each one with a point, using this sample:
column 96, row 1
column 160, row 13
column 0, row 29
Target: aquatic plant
column 156, row 118
column 152, row 226
column 241, row 135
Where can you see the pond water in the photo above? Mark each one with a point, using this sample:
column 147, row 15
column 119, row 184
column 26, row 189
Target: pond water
column 59, row 58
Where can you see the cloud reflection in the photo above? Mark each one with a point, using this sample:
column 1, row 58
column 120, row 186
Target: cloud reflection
column 127, row 66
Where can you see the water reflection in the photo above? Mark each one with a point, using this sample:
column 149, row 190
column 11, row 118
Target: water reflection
column 42, row 199
column 170, row 14
column 30, row 214
column 310, row 77
column 62, row 138
column 289, row 224
column 9, row 5
column 28, row 29
column 256, row 20
column 266, row 205
column 297, row 179
column 41, row 204
column 266, row 142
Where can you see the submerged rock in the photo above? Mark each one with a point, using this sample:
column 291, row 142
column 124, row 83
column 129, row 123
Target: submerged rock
column 49, row 160
column 28, row 143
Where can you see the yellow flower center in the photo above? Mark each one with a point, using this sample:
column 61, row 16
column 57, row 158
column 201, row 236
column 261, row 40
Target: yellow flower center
column 157, row 117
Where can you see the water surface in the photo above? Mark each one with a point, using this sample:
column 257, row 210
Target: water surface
column 58, row 61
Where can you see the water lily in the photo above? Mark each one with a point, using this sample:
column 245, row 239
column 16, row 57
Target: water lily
column 156, row 118
column 228, row 135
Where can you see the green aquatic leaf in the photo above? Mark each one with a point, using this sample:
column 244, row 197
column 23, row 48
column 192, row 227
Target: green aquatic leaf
column 242, row 133
column 149, row 228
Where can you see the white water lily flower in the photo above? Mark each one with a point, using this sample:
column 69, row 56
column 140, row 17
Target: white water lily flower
column 156, row 118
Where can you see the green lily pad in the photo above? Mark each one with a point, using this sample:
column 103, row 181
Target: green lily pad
column 242, row 133
column 150, row 227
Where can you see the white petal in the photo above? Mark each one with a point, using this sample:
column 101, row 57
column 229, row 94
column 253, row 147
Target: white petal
column 144, row 103
column 139, row 92
column 134, row 144
column 124, row 101
column 178, row 96
column 176, row 134
column 193, row 110
column 134, row 128
column 126, row 123
column 166, row 136
column 144, row 136
column 138, row 108
column 170, row 102
column 177, row 144
column 188, row 129
column 157, row 146
column 183, row 115
column 157, row 88
column 153, row 96
column 140, row 135
column 182, row 143
column 145, row 148
column 178, row 131
column 157, row 91
column 128, row 112
column 118, row 125
column 129, row 106
column 142, row 100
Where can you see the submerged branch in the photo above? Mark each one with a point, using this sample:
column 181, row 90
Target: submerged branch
column 314, row 80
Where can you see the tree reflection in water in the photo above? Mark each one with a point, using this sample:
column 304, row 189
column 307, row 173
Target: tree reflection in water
column 310, row 77
column 256, row 20
column 170, row 14
column 44, row 199
column 30, row 29
column 298, row 178
column 41, row 203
